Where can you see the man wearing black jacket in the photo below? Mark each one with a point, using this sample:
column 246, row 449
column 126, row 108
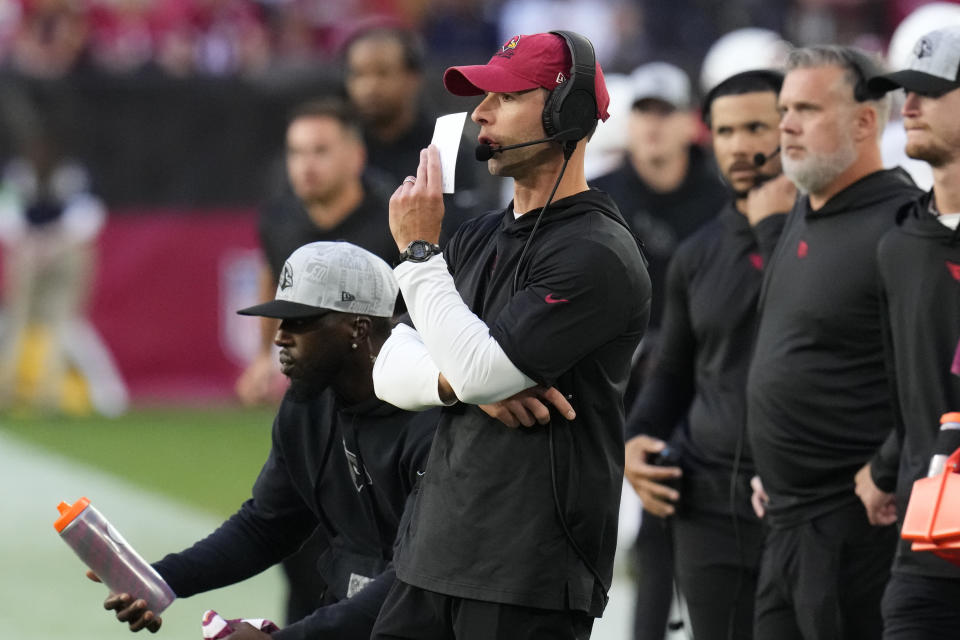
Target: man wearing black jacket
column 696, row 393
column 342, row 462
column 920, row 292
column 514, row 530
column 818, row 402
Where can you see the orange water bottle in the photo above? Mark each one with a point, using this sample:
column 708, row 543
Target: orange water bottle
column 103, row 549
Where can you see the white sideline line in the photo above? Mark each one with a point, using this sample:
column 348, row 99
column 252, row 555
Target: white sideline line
column 43, row 592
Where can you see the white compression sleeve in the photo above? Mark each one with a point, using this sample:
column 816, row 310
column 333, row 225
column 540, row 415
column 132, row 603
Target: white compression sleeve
column 404, row 374
column 459, row 342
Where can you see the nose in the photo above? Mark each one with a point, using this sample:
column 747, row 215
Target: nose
column 911, row 105
column 282, row 338
column 482, row 113
column 788, row 122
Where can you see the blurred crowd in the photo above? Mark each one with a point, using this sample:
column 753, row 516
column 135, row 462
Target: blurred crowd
column 50, row 38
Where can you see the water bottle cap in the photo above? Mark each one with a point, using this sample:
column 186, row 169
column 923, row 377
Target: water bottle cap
column 68, row 512
column 953, row 416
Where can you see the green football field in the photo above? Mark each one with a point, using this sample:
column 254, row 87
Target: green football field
column 165, row 477
column 207, row 458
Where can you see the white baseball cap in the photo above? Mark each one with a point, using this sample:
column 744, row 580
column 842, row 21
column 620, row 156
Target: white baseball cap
column 331, row 276
column 742, row 50
column 933, row 68
column 661, row 81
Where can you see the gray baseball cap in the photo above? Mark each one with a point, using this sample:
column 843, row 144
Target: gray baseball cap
column 331, row 276
column 933, row 68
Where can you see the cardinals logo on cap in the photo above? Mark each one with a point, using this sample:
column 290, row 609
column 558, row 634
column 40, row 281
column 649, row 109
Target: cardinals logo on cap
column 507, row 50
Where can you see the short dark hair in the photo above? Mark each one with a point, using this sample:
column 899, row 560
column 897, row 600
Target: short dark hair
column 409, row 40
column 334, row 108
column 754, row 81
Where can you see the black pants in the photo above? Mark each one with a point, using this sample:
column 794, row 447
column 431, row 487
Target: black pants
column 653, row 568
column 921, row 608
column 824, row 579
column 417, row 614
column 717, row 567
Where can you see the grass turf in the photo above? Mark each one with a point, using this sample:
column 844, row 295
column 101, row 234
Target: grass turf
column 208, row 458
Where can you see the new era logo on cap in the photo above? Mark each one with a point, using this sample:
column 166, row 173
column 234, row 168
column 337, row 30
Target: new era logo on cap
column 934, row 67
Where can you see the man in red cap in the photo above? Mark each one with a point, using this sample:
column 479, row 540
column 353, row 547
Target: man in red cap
column 528, row 316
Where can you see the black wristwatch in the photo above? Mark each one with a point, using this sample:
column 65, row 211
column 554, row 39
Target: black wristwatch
column 419, row 251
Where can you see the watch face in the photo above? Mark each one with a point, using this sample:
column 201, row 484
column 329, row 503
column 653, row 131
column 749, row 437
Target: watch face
column 419, row 250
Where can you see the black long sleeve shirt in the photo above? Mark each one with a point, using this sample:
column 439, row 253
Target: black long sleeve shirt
column 818, row 396
column 698, row 385
column 345, row 470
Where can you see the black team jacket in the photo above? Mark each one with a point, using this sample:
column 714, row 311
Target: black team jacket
column 818, row 395
column 920, row 291
column 699, row 382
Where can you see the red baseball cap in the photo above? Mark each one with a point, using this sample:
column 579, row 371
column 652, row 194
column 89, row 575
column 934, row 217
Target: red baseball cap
column 525, row 62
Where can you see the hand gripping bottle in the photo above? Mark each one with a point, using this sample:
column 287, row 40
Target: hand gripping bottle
column 103, row 549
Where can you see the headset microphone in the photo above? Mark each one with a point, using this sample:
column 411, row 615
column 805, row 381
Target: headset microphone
column 484, row 152
column 759, row 159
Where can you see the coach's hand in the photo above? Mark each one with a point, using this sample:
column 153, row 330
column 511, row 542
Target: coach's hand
column 881, row 506
column 133, row 612
column 645, row 478
column 416, row 207
column 774, row 196
column 759, row 500
column 247, row 631
column 529, row 407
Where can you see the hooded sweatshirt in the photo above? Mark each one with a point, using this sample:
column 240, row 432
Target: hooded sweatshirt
column 485, row 523
column 818, row 395
column 920, row 291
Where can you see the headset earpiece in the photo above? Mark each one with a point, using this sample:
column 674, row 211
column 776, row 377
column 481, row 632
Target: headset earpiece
column 573, row 104
column 862, row 64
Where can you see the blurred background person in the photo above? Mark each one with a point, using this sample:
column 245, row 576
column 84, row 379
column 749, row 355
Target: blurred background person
column 328, row 198
column 666, row 188
column 383, row 67
column 695, row 397
column 52, row 359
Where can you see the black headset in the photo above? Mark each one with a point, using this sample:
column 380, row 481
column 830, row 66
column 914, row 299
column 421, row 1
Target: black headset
column 572, row 106
column 864, row 68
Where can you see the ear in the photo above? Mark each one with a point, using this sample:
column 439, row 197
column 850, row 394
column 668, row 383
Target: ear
column 357, row 156
column 865, row 123
column 361, row 327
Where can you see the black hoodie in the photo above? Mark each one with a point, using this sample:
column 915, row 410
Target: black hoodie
column 346, row 471
column 485, row 526
column 920, row 292
column 818, row 396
